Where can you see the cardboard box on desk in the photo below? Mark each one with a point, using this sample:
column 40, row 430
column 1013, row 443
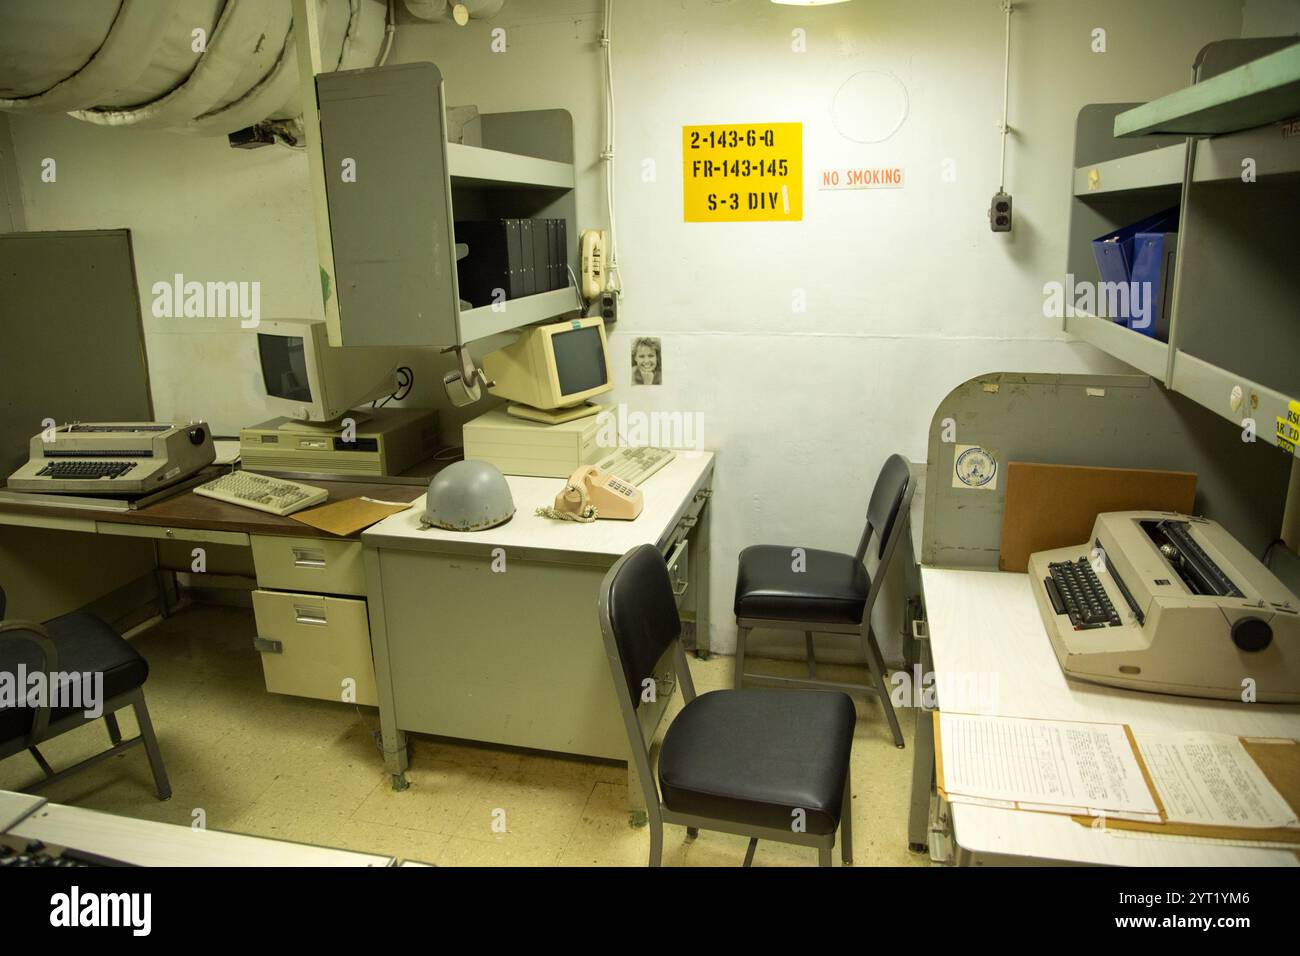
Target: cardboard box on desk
column 1055, row 506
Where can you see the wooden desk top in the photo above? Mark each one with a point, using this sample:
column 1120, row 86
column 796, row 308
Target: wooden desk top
column 188, row 510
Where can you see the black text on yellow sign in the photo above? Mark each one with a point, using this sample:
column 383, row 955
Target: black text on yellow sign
column 743, row 173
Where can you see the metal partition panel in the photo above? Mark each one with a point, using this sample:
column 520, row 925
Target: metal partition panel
column 71, row 342
column 384, row 135
column 1120, row 421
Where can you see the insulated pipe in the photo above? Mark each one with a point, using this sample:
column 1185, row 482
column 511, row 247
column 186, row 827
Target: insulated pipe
column 242, row 29
column 119, row 62
column 246, row 74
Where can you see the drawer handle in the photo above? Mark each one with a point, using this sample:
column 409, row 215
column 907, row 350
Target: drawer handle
column 308, row 558
column 920, row 631
column 267, row 646
column 305, row 614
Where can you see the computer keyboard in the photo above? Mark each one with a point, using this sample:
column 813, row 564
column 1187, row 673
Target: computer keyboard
column 17, row 852
column 635, row 465
column 1075, row 589
column 77, row 470
column 277, row 496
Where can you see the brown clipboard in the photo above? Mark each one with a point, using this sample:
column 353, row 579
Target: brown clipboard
column 1278, row 759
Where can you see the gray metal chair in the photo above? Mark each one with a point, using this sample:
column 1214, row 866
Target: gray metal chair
column 788, row 588
column 763, row 763
column 62, row 648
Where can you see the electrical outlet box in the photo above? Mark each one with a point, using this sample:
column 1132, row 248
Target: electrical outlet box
column 1000, row 212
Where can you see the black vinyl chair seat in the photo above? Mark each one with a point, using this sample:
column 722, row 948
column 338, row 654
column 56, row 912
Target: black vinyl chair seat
column 754, row 756
column 86, row 645
column 832, row 588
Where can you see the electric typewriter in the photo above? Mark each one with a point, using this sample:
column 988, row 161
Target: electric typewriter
column 1169, row 603
column 114, row 458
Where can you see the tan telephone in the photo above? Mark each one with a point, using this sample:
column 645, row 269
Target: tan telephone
column 592, row 246
column 591, row 493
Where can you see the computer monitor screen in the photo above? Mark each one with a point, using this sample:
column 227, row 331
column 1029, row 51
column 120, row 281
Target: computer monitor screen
column 307, row 379
column 579, row 360
column 284, row 366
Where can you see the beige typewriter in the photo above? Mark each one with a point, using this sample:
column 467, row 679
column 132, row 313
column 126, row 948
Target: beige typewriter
column 1169, row 603
column 114, row 458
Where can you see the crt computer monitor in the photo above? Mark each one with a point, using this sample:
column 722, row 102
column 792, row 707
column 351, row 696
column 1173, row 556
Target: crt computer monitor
column 308, row 380
column 551, row 367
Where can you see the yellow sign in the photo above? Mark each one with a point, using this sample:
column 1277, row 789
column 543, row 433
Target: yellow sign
column 750, row 172
column 1288, row 428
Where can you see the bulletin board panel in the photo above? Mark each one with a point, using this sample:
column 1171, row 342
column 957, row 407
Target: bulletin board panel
column 71, row 340
column 1115, row 421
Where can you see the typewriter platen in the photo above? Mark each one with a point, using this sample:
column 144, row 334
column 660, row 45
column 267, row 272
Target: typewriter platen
column 114, row 458
column 1169, row 603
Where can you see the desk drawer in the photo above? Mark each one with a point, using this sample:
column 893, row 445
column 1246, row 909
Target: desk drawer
column 311, row 645
column 320, row 565
column 202, row 535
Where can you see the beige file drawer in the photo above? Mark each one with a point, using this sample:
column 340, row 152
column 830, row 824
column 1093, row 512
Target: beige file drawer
column 311, row 644
column 318, row 565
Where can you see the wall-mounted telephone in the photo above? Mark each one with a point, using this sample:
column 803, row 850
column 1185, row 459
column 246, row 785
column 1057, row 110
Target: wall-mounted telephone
column 592, row 246
column 591, row 493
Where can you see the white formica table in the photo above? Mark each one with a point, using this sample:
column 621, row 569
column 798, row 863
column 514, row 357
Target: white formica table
column 985, row 625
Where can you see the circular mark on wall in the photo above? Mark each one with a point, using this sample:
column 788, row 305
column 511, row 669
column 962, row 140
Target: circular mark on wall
column 869, row 107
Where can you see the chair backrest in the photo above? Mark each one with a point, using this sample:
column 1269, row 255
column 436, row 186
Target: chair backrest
column 890, row 498
column 639, row 622
column 638, row 615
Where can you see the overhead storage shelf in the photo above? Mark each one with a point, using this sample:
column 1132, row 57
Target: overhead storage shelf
column 1154, row 169
column 1262, row 91
column 483, row 321
column 476, row 166
column 1141, row 351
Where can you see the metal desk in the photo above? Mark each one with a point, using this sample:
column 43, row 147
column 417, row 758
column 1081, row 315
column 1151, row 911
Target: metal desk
column 493, row 636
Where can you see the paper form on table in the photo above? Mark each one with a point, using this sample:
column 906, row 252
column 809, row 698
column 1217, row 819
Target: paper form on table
column 1056, row 766
column 1210, row 779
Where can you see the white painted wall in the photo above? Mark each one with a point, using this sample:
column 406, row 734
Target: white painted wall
column 908, row 293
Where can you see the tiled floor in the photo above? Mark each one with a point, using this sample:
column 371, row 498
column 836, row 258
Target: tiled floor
column 310, row 771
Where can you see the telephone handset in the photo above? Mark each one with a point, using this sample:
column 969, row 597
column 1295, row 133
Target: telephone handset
column 591, row 493
column 592, row 246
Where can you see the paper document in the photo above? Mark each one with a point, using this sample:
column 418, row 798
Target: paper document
column 1210, row 779
column 1050, row 765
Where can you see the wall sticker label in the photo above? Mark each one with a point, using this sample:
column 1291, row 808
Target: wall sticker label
column 1288, row 428
column 974, row 467
column 749, row 172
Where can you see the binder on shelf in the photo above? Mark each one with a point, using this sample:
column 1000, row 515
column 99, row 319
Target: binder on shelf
column 541, row 256
column 526, row 262
column 1154, row 255
column 1116, row 254
column 491, row 263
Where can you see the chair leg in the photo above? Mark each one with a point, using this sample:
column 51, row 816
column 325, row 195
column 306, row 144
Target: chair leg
column 811, row 654
column 739, row 680
column 877, row 664
column 656, row 842
column 151, row 747
column 692, row 832
column 824, row 856
column 114, row 731
column 41, row 761
column 846, row 823
column 749, row 852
